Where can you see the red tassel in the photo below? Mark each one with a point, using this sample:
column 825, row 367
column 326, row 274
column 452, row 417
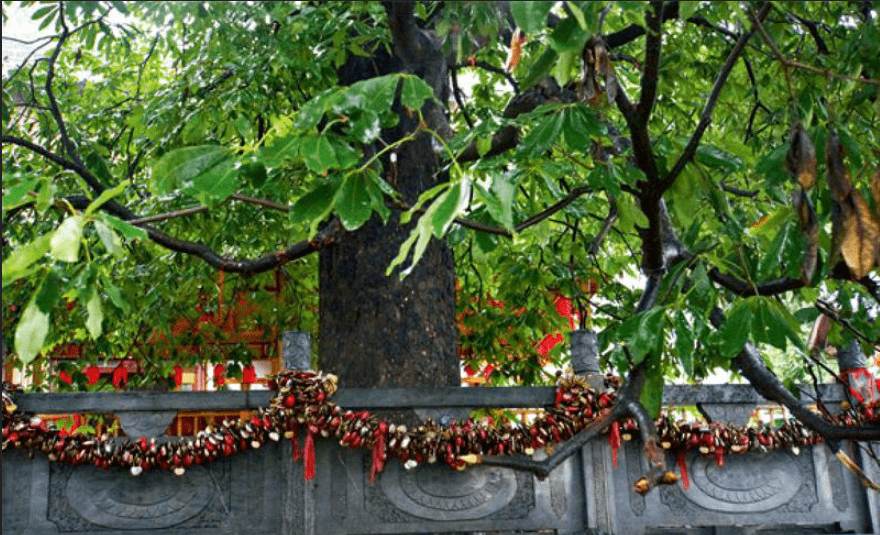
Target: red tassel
column 614, row 441
column 378, row 451
column 297, row 453
column 682, row 467
column 309, row 453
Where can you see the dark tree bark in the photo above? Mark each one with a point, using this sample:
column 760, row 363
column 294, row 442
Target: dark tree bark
column 379, row 331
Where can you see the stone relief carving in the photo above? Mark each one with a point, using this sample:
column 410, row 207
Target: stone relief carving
column 89, row 499
column 838, row 489
column 746, row 484
column 145, row 423
column 558, row 499
column 17, row 477
column 634, row 472
column 436, row 493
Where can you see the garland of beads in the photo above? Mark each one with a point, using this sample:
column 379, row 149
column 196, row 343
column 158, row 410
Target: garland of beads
column 302, row 406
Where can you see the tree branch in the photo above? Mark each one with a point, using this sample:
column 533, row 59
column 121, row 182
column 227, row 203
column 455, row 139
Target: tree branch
column 751, row 365
column 497, row 70
column 593, row 249
column 508, row 136
column 706, row 117
column 744, row 289
column 651, row 75
column 64, row 163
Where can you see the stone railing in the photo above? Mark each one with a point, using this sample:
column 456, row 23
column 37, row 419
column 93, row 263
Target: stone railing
column 264, row 492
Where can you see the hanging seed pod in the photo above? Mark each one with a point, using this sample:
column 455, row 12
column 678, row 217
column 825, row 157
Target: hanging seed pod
column 800, row 162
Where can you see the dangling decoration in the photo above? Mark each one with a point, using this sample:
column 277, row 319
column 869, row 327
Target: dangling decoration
column 309, row 455
column 378, row 450
column 614, row 441
column 683, row 469
column 296, row 453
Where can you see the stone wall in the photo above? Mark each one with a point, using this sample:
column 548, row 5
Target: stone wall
column 263, row 491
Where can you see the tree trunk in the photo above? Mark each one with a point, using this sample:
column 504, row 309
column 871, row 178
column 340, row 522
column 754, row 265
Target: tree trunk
column 376, row 330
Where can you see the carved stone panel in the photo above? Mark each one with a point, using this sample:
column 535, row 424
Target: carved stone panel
column 89, row 499
column 436, row 493
column 746, row 484
column 17, row 477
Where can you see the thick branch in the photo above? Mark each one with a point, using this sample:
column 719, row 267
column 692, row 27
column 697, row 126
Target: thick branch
column 751, row 365
column 706, row 116
column 66, row 142
column 77, row 168
column 542, row 469
column 262, row 264
column 744, row 289
column 651, row 74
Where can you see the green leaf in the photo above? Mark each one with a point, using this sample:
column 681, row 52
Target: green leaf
column 540, row 69
column 629, row 215
column 415, row 92
column 47, row 296
column 786, row 323
column 353, row 202
column 218, row 183
column 568, row 36
column 115, row 296
column 684, row 343
column 365, row 126
column 31, row 331
column 21, row 258
column 530, row 16
column 255, row 173
column 125, row 228
column 718, row 159
column 579, row 125
column 685, row 195
column 447, row 206
column 499, row 198
column 96, row 314
column 542, row 137
column 105, row 196
column 687, row 9
column 66, row 240
column 276, row 151
column 311, row 112
column 771, row 166
column 206, row 169
column 642, row 332
column 109, row 238
column 579, row 15
column 319, row 154
column 651, row 396
column 773, row 222
column 766, row 326
column 374, row 94
column 852, row 148
column 314, row 206
column 773, row 255
column 19, row 193
column 734, row 333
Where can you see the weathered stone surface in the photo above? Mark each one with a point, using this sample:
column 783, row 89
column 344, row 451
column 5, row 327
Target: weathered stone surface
column 263, row 492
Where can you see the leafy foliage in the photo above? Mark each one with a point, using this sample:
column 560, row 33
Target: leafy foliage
column 169, row 110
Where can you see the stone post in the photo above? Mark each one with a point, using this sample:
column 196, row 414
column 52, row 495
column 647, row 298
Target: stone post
column 585, row 357
column 296, row 348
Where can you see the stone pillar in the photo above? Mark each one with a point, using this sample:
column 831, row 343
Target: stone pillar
column 296, row 349
column 585, row 357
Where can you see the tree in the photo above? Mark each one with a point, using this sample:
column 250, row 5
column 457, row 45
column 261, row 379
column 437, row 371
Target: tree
column 676, row 144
